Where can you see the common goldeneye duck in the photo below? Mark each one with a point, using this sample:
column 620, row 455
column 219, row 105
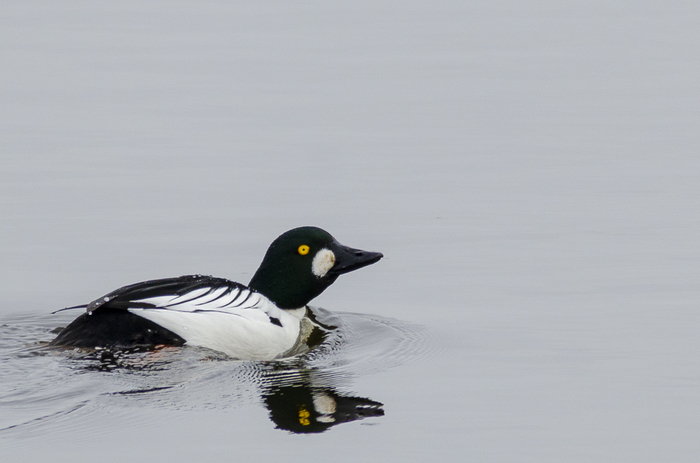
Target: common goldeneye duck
column 261, row 321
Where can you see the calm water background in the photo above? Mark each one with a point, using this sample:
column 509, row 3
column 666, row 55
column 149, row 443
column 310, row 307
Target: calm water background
column 530, row 171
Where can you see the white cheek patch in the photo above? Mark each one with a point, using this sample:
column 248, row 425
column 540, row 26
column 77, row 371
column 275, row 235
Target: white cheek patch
column 323, row 262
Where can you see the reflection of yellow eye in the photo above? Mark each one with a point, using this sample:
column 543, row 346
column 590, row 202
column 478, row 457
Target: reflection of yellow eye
column 304, row 414
column 303, row 249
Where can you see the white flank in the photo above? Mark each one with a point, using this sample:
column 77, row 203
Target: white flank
column 243, row 324
column 323, row 262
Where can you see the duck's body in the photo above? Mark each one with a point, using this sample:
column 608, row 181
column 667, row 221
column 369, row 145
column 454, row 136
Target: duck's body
column 198, row 310
column 260, row 321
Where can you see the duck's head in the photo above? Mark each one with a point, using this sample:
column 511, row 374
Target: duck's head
column 301, row 263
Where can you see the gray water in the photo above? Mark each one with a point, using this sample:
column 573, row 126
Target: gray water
column 529, row 169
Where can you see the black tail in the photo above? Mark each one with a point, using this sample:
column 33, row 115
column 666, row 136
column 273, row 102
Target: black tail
column 115, row 329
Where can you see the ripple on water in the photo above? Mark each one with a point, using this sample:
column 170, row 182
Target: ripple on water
column 45, row 388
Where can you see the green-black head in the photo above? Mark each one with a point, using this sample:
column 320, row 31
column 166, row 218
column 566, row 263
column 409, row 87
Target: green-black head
column 302, row 262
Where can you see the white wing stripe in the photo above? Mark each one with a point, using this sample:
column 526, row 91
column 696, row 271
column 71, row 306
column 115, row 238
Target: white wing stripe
column 240, row 293
column 250, row 303
column 158, row 301
column 226, row 298
column 213, row 295
column 190, row 296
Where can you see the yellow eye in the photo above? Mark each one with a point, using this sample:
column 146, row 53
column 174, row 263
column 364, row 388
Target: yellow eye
column 303, row 249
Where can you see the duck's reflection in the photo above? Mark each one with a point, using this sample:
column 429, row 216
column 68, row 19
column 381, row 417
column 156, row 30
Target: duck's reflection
column 298, row 401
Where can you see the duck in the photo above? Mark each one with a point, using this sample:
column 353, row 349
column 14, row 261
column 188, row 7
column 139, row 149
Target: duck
column 263, row 320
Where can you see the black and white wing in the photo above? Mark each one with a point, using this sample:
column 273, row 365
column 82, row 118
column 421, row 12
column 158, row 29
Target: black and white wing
column 209, row 312
column 186, row 293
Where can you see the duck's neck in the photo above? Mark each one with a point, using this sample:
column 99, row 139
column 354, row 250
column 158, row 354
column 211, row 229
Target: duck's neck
column 287, row 292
